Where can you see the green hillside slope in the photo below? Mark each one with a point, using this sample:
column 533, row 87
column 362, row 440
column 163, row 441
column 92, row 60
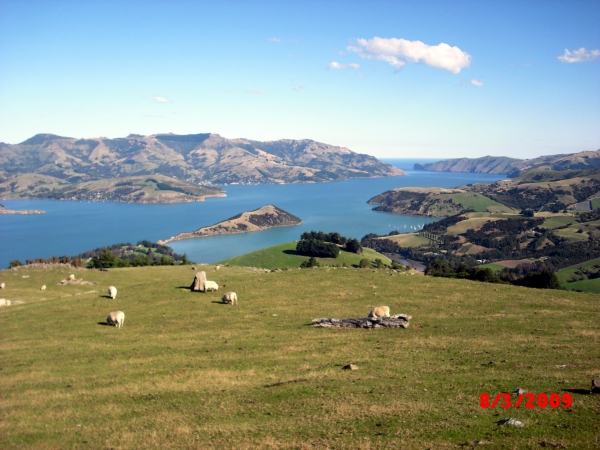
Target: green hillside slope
column 284, row 256
column 186, row 371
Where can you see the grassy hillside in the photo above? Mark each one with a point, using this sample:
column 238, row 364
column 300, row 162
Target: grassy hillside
column 435, row 202
column 408, row 239
column 284, row 256
column 189, row 372
column 577, row 277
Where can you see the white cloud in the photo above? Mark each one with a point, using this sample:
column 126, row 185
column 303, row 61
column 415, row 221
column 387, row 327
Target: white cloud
column 581, row 55
column 274, row 39
column 298, row 87
column 477, row 83
column 257, row 91
column 340, row 66
column 161, row 100
column 397, row 52
column 176, row 111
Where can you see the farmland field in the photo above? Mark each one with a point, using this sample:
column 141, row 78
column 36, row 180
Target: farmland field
column 408, row 239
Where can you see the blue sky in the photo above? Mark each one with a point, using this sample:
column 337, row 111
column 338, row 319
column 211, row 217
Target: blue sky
column 410, row 79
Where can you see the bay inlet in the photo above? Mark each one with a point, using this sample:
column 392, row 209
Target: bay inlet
column 71, row 227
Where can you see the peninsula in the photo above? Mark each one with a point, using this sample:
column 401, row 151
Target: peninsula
column 268, row 216
column 3, row 210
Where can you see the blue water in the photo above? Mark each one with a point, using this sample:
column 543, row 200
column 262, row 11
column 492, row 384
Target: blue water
column 70, row 227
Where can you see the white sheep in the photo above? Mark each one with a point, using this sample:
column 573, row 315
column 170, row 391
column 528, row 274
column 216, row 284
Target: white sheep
column 2, row 285
column 71, row 277
column 43, row 288
column 116, row 318
column 112, row 292
column 4, row 302
column 380, row 311
column 210, row 285
column 230, row 298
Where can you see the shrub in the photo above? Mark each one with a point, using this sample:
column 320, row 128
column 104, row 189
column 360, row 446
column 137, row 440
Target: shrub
column 15, row 263
column 540, row 280
column 312, row 262
column 365, row 263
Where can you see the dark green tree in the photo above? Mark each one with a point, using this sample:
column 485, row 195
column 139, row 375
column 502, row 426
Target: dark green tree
column 104, row 260
column 353, row 246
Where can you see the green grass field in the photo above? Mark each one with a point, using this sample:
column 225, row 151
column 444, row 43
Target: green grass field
column 494, row 267
column 572, row 233
column 477, row 202
column 558, row 221
column 590, row 286
column 568, row 272
column 284, row 256
column 186, row 371
column 470, row 223
column 409, row 240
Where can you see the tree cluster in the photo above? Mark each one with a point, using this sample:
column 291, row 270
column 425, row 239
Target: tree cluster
column 540, row 280
column 319, row 249
column 326, row 245
column 113, row 256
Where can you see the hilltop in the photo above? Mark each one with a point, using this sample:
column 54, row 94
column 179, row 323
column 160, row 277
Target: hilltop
column 199, row 158
column 513, row 166
column 260, row 219
column 187, row 371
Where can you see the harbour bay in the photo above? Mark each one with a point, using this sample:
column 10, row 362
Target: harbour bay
column 70, row 227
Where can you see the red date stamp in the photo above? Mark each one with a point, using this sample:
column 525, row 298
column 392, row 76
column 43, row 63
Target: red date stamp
column 529, row 400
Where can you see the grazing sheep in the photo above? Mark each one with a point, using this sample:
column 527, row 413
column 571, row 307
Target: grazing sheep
column 218, row 267
column 230, row 298
column 4, row 302
column 71, row 277
column 2, row 285
column 112, row 292
column 210, row 286
column 116, row 318
column 43, row 288
column 380, row 311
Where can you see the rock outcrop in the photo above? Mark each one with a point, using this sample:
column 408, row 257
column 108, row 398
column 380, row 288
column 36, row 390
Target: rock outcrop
column 395, row 321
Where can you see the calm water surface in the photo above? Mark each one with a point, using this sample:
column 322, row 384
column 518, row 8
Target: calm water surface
column 70, row 228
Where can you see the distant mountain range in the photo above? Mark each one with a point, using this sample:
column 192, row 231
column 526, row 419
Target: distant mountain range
column 514, row 167
column 169, row 168
column 207, row 158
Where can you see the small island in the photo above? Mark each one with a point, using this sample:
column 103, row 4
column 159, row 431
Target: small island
column 268, row 216
column 3, row 210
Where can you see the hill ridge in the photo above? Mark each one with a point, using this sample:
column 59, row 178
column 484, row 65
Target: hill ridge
column 201, row 158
